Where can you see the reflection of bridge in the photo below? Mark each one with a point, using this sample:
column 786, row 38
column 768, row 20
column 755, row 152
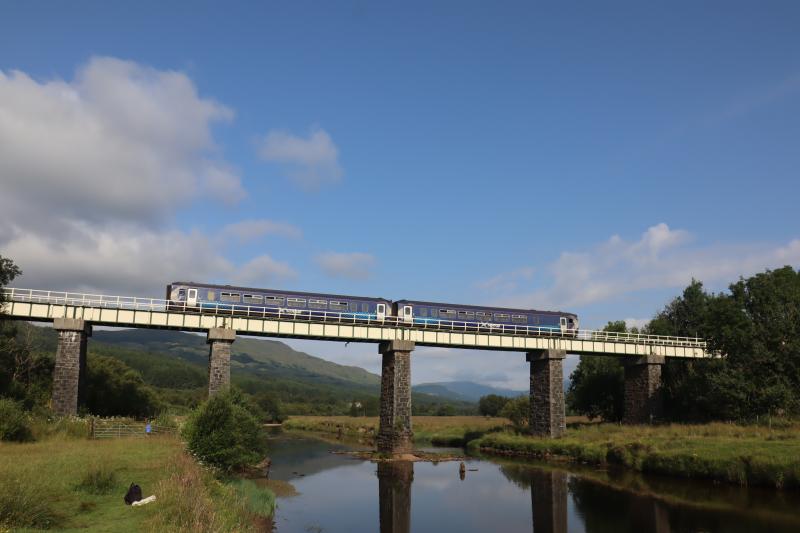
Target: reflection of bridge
column 73, row 315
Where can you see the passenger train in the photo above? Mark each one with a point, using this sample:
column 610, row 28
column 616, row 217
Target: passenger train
column 190, row 295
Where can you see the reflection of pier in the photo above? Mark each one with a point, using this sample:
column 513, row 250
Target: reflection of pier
column 549, row 501
column 394, row 491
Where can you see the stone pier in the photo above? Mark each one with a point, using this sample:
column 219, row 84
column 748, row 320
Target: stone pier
column 547, row 416
column 394, row 496
column 395, row 434
column 69, row 375
column 219, row 359
column 643, row 402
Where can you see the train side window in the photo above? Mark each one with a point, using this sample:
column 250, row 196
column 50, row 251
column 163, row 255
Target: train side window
column 422, row 311
column 354, row 307
column 314, row 303
column 434, row 313
column 519, row 319
column 229, row 297
column 481, row 315
column 338, row 306
column 447, row 313
column 501, row 317
column 365, row 307
column 296, row 302
column 277, row 301
column 252, row 299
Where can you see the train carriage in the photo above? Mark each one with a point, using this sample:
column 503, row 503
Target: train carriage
column 424, row 313
column 271, row 302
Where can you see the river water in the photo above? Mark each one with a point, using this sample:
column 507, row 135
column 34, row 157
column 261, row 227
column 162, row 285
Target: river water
column 338, row 493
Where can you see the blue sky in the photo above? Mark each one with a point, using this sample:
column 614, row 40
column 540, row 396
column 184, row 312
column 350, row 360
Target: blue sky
column 591, row 158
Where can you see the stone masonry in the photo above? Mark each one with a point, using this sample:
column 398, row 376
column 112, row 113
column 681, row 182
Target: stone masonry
column 69, row 374
column 219, row 359
column 547, row 417
column 394, row 432
column 643, row 401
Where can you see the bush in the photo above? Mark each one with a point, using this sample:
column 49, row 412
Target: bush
column 223, row 433
column 517, row 410
column 14, row 423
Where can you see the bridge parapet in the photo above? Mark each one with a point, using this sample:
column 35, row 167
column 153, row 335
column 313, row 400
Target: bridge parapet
column 122, row 311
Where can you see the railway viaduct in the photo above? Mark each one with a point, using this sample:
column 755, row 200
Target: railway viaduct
column 74, row 314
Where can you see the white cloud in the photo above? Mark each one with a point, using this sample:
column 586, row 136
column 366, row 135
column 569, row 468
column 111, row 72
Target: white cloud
column 356, row 265
column 661, row 258
column 93, row 171
column 311, row 163
column 507, row 281
column 250, row 230
column 120, row 141
column 263, row 270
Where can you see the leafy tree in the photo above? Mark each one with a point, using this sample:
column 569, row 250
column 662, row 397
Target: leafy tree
column 14, row 424
column 517, row 410
column 222, row 432
column 597, row 385
column 492, row 404
column 115, row 389
column 271, row 407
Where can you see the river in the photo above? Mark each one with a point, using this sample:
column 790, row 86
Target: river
column 339, row 493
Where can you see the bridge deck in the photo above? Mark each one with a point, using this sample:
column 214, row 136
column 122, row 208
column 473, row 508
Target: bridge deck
column 128, row 312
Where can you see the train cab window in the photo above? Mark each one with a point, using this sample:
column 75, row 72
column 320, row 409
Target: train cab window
column 252, row 299
column 181, row 294
column 313, row 303
column 296, row 302
column 338, row 306
column 276, row 301
column 229, row 297
column 519, row 319
column 502, row 317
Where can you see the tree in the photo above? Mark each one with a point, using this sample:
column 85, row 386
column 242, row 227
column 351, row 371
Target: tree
column 492, row 404
column 597, row 385
column 271, row 407
column 517, row 410
column 222, row 432
column 115, row 389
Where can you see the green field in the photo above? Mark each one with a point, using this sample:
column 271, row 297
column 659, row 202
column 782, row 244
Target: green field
column 69, row 483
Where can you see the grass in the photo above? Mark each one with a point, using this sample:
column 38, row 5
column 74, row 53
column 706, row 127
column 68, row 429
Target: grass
column 70, row 483
column 744, row 455
column 435, row 430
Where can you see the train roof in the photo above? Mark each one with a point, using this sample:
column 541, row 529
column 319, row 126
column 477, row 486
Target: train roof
column 277, row 291
column 480, row 307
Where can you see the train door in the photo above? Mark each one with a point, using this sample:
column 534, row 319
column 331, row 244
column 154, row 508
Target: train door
column 381, row 311
column 408, row 314
column 191, row 298
column 563, row 324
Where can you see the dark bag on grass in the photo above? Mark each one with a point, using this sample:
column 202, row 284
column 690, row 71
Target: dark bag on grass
column 134, row 494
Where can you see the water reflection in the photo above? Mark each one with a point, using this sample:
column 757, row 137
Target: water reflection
column 394, row 495
column 338, row 493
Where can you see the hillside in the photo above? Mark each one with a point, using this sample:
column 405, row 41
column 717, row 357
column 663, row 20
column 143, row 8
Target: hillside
column 466, row 391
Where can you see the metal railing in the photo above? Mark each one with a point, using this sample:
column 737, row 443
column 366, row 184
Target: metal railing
column 133, row 303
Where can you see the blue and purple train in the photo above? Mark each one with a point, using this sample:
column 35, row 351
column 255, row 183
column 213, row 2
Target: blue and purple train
column 189, row 294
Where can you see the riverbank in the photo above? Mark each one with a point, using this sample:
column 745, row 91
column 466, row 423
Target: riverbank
column 64, row 482
column 431, row 430
column 742, row 455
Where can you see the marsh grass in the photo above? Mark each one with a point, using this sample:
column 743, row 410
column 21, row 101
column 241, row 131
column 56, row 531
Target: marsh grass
column 744, row 455
column 27, row 504
column 435, row 430
column 100, row 478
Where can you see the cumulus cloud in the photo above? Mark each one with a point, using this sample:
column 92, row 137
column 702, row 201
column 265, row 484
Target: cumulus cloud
column 93, row 171
column 311, row 162
column 661, row 258
column 356, row 265
column 507, row 281
column 263, row 270
column 250, row 230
